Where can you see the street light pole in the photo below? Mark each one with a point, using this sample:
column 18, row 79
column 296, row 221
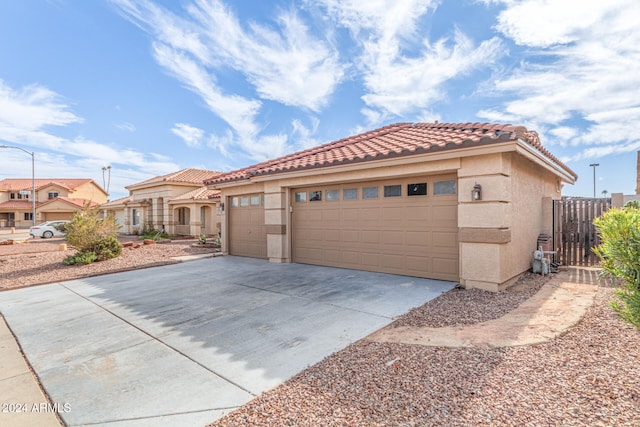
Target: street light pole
column 594, row 165
column 33, row 180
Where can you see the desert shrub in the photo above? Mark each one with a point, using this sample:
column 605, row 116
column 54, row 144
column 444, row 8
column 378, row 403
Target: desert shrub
column 154, row 235
column 619, row 251
column 632, row 204
column 80, row 258
column 109, row 247
column 89, row 233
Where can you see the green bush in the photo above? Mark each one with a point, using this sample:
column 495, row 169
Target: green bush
column 80, row 258
column 632, row 204
column 619, row 251
column 91, row 234
column 109, row 247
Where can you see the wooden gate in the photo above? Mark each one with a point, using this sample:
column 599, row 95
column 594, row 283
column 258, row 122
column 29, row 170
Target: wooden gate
column 574, row 234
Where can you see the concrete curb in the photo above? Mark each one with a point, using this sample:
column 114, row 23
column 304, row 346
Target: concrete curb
column 555, row 308
column 23, row 402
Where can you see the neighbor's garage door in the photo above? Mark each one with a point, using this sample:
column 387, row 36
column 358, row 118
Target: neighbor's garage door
column 57, row 216
column 247, row 232
column 406, row 226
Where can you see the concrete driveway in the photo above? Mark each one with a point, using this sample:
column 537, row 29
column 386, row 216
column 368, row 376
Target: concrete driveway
column 185, row 344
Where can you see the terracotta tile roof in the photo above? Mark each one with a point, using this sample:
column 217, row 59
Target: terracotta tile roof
column 401, row 139
column 202, row 193
column 118, row 202
column 18, row 205
column 189, row 175
column 17, row 184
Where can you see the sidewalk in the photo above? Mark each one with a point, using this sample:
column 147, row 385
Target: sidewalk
column 18, row 234
column 23, row 403
column 556, row 307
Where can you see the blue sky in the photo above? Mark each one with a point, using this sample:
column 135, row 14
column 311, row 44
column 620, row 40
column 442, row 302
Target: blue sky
column 151, row 87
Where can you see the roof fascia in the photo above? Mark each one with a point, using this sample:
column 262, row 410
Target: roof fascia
column 525, row 149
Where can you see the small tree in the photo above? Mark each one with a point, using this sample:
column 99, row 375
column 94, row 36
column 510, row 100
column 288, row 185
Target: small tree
column 620, row 254
column 95, row 238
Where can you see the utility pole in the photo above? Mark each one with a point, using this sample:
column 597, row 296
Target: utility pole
column 594, row 165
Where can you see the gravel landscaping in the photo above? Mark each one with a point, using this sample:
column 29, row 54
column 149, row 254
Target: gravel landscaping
column 39, row 261
column 589, row 376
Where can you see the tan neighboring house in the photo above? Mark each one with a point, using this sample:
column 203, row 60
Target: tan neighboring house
column 618, row 200
column 178, row 201
column 56, row 198
column 451, row 201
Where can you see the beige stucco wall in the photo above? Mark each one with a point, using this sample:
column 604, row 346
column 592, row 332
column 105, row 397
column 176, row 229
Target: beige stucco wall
column 512, row 212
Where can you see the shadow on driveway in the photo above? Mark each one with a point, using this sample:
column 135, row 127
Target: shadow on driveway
column 185, row 344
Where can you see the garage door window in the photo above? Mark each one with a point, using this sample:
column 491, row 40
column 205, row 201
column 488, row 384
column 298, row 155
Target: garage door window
column 333, row 195
column 419, row 189
column 444, row 187
column 370, row 193
column 350, row 194
column 244, row 201
column 392, row 190
column 315, row 196
column 301, row 196
column 255, row 200
column 234, row 202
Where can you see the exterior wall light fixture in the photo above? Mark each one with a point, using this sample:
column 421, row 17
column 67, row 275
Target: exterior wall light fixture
column 476, row 193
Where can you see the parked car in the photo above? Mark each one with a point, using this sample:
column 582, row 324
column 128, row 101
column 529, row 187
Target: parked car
column 48, row 229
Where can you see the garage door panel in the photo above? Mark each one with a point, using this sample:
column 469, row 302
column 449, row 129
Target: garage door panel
column 370, row 259
column 331, row 215
column 445, row 266
column 350, row 215
column 421, row 264
column 370, row 236
column 332, row 235
column 443, row 239
column 412, row 235
column 392, row 214
column 418, row 213
column 350, row 236
column 393, row 237
column 351, row 257
column 420, row 239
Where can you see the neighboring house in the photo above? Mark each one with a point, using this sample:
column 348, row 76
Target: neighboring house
column 178, row 201
column 56, row 198
column 460, row 202
column 618, row 200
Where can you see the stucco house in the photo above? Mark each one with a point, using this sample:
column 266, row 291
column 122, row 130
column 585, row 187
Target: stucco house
column 452, row 201
column 56, row 199
column 178, row 201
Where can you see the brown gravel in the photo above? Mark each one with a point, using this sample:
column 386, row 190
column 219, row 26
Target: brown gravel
column 40, row 261
column 590, row 376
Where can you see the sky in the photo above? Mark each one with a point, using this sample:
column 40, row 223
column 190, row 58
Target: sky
column 121, row 90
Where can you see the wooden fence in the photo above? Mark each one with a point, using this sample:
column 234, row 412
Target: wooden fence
column 574, row 234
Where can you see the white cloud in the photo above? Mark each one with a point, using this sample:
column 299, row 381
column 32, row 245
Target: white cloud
column 283, row 63
column 126, row 126
column 587, row 54
column 305, row 135
column 192, row 136
column 25, row 116
column 286, row 64
column 403, row 71
column 32, row 108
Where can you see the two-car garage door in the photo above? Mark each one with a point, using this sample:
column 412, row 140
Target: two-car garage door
column 406, row 226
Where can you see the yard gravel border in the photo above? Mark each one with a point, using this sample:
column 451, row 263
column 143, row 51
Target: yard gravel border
column 590, row 376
